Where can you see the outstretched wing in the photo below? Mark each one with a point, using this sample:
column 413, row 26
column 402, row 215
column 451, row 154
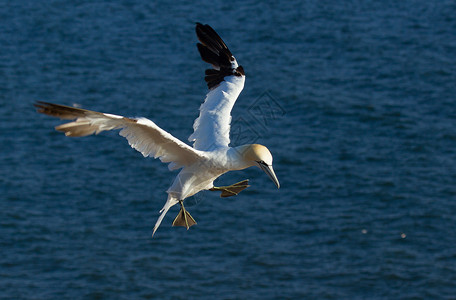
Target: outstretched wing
column 225, row 82
column 142, row 134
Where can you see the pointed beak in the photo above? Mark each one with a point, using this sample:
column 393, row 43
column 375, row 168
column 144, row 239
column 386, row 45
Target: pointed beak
column 270, row 171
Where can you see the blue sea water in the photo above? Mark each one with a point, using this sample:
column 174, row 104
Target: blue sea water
column 355, row 99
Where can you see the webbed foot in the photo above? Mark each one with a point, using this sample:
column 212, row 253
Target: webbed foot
column 231, row 190
column 184, row 218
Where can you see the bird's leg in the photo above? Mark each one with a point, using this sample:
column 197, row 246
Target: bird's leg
column 231, row 190
column 183, row 217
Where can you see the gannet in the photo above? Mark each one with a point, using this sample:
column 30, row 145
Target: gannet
column 210, row 157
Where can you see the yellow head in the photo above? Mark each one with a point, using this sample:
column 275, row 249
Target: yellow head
column 260, row 156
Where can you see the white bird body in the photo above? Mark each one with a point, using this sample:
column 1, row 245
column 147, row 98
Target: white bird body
column 201, row 174
column 210, row 155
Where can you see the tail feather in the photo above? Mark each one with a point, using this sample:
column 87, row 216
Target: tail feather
column 169, row 203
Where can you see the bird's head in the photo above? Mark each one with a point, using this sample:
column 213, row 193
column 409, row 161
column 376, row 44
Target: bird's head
column 259, row 155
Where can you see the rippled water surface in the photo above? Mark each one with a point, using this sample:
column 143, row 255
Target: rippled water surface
column 355, row 99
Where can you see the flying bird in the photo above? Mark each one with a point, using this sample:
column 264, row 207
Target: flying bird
column 210, row 157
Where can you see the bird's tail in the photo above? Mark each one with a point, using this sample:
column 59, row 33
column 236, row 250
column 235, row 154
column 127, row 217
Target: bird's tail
column 169, row 203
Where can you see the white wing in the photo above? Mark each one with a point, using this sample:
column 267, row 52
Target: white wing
column 142, row 134
column 225, row 82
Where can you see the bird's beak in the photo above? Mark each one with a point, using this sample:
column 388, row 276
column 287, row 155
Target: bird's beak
column 270, row 171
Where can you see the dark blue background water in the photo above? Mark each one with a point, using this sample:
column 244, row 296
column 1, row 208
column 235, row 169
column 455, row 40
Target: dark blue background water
column 355, row 99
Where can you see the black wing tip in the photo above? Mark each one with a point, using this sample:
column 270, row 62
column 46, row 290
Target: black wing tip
column 210, row 39
column 203, row 28
column 214, row 77
column 49, row 105
column 239, row 71
column 210, row 57
column 58, row 110
column 43, row 106
column 214, row 51
column 41, row 103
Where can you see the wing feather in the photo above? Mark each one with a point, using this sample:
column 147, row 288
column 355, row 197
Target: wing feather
column 142, row 134
column 225, row 82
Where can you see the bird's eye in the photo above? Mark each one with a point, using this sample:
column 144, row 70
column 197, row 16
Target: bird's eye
column 261, row 162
